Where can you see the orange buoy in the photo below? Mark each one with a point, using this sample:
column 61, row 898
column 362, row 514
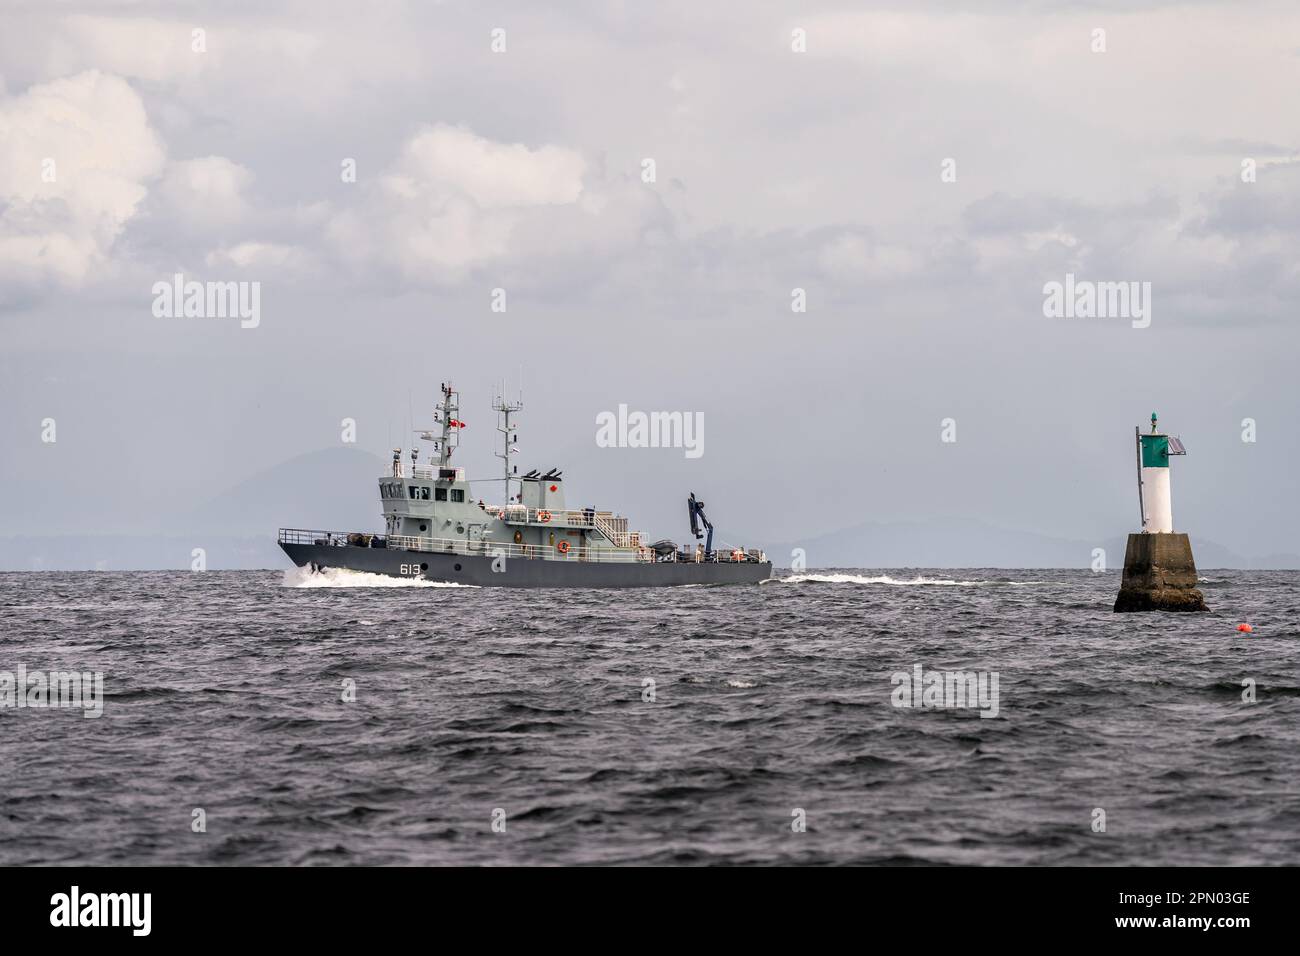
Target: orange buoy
column 1245, row 628
column 562, row 547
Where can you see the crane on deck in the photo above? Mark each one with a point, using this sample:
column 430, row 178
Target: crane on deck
column 696, row 510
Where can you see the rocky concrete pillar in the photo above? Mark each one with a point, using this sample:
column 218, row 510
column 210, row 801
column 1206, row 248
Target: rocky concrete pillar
column 1159, row 575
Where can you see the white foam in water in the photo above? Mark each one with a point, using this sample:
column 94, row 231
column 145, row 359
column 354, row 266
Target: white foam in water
column 344, row 578
column 883, row 579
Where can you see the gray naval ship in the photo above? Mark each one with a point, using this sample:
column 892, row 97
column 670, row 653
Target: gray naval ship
column 437, row 530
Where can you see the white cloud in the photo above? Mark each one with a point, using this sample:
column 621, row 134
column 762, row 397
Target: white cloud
column 493, row 175
column 164, row 51
column 267, row 257
column 207, row 190
column 452, row 201
column 851, row 257
column 75, row 155
column 140, row 47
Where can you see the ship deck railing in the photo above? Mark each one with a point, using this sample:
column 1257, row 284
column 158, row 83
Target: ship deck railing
column 508, row 549
column 493, row 549
column 612, row 526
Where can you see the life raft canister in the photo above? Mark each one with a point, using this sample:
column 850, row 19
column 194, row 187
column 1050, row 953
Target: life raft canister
column 519, row 536
column 562, row 547
column 543, row 516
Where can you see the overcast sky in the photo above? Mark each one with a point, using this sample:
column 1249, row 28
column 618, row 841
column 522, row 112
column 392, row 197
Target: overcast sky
column 794, row 146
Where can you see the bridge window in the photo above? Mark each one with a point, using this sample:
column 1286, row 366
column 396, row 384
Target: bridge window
column 458, row 494
column 439, row 494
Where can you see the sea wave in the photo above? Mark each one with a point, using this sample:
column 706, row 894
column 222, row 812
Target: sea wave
column 537, row 698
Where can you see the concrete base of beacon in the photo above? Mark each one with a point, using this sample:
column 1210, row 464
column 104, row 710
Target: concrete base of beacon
column 1159, row 575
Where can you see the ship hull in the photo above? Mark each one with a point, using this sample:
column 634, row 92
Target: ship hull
column 478, row 570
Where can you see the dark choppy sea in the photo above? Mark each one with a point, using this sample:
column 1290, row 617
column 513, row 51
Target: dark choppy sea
column 771, row 704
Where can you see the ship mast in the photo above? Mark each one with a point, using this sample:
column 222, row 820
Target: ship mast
column 448, row 417
column 508, row 437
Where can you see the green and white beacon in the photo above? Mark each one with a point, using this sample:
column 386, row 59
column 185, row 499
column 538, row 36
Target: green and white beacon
column 1159, row 571
column 1154, row 452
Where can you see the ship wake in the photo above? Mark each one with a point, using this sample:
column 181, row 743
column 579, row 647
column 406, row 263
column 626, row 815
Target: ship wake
column 344, row 578
column 896, row 582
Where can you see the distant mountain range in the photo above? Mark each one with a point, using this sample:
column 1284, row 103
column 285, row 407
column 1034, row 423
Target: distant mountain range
column 335, row 490
column 967, row 543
